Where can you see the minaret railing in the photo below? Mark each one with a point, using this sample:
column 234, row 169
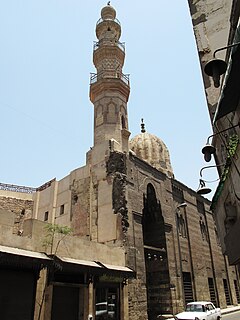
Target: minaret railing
column 111, row 74
column 110, row 19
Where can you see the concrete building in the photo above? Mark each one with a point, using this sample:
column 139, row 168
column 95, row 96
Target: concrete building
column 216, row 28
column 142, row 243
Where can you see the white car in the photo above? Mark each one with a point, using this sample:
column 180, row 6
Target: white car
column 105, row 310
column 200, row 310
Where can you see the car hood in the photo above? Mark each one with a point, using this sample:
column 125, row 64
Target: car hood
column 190, row 315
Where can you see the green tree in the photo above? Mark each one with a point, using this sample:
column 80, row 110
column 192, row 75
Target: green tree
column 52, row 231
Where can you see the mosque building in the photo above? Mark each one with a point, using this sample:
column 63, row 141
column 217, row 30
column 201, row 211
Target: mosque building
column 142, row 243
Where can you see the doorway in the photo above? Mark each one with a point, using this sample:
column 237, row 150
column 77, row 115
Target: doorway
column 66, row 303
column 107, row 302
column 17, row 294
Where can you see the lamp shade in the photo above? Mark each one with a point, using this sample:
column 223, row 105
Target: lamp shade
column 203, row 190
column 215, row 68
column 208, row 150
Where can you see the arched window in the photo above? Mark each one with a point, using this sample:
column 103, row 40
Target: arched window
column 181, row 225
column 203, row 229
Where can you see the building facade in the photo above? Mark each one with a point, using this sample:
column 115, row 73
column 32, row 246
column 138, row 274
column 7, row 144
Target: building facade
column 216, row 28
column 142, row 243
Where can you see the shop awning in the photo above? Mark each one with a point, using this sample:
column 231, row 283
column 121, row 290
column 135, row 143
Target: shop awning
column 84, row 263
column 24, row 253
column 96, row 266
column 11, row 256
column 21, row 258
column 117, row 270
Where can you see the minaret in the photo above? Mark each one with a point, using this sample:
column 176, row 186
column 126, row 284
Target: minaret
column 109, row 87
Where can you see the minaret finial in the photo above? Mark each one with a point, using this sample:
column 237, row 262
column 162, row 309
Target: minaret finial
column 108, row 3
column 142, row 126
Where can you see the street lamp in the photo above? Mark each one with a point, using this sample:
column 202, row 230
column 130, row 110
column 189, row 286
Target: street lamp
column 216, row 67
column 182, row 205
column 202, row 189
column 209, row 149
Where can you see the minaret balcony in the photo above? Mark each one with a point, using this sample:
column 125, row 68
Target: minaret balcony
column 111, row 74
column 110, row 19
column 98, row 44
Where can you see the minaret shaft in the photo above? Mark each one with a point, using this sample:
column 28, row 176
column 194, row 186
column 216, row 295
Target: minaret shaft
column 109, row 87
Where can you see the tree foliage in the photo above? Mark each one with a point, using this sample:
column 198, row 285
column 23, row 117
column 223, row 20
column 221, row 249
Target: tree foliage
column 53, row 231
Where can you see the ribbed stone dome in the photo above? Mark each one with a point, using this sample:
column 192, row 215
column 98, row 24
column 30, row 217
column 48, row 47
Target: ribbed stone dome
column 153, row 150
column 108, row 12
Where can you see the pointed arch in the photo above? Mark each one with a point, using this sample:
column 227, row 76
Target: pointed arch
column 146, row 181
column 155, row 254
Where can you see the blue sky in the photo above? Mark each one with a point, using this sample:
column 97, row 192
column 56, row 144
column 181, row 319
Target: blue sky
column 45, row 63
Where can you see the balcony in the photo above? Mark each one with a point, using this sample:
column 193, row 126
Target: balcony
column 101, row 20
column 94, row 77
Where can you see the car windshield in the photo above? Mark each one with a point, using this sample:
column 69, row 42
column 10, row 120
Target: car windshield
column 195, row 307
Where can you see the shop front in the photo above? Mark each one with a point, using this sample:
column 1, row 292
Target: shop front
column 79, row 290
column 19, row 273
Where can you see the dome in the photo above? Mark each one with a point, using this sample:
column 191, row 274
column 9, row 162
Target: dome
column 153, row 150
column 108, row 13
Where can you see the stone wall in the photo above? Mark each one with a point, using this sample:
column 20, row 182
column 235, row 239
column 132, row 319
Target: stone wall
column 211, row 26
column 196, row 251
column 80, row 192
column 22, row 209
